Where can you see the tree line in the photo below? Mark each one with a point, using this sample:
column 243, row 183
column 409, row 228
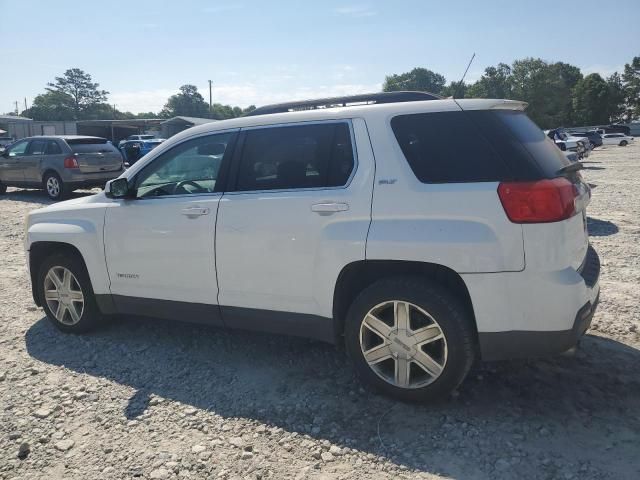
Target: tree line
column 75, row 96
column 558, row 93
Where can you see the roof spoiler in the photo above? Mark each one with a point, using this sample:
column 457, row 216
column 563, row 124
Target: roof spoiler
column 490, row 104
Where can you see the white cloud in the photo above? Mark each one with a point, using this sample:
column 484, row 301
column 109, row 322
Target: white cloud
column 355, row 11
column 241, row 95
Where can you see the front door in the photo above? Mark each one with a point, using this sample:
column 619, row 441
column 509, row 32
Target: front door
column 299, row 211
column 159, row 244
column 11, row 163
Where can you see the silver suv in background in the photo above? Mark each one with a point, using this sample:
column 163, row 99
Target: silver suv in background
column 59, row 164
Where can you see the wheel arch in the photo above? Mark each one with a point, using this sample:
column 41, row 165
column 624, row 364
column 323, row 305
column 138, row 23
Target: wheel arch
column 41, row 250
column 357, row 276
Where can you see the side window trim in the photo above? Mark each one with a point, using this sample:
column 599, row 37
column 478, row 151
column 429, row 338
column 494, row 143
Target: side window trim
column 237, row 158
column 220, row 182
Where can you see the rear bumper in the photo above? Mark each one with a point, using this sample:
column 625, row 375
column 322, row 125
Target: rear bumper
column 534, row 314
column 531, row 344
column 88, row 180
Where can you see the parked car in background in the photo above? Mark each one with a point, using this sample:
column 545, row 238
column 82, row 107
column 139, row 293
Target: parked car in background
column 594, row 138
column 614, row 128
column 59, row 164
column 136, row 137
column 4, row 141
column 134, row 150
column 616, row 139
column 568, row 142
column 370, row 224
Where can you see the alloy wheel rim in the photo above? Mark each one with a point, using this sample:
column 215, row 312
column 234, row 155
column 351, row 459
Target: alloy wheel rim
column 403, row 344
column 53, row 186
column 63, row 295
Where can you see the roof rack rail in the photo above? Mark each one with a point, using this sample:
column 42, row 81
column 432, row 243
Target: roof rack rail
column 362, row 99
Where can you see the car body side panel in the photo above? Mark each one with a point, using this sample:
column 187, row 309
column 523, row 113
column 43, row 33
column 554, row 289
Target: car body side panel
column 461, row 226
column 81, row 227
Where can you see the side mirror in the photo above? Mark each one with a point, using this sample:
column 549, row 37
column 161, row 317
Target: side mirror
column 117, row 188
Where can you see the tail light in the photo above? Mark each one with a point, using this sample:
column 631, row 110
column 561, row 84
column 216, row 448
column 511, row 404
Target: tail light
column 539, row 202
column 70, row 162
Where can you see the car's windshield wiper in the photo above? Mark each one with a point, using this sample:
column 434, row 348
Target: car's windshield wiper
column 572, row 167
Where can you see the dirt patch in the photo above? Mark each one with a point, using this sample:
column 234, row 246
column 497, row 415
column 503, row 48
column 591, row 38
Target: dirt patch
column 156, row 399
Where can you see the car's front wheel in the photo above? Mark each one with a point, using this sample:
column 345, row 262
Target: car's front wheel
column 410, row 338
column 624, row 143
column 3, row 188
column 54, row 186
column 66, row 294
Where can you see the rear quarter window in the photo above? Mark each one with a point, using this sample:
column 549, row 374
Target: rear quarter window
column 447, row 147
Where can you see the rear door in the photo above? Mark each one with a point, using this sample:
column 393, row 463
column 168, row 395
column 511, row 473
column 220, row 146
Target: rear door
column 95, row 155
column 297, row 213
column 32, row 160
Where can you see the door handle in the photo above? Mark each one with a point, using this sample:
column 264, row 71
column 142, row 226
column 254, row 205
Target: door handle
column 327, row 208
column 193, row 212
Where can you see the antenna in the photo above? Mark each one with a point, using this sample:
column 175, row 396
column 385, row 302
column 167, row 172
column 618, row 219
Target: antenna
column 467, row 69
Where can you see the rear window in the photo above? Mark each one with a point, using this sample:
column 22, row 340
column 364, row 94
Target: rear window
column 528, row 152
column 91, row 145
column 446, row 147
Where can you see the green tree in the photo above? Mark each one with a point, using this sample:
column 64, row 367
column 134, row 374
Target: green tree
column 418, row 79
column 631, row 86
column 53, row 105
column 592, row 100
column 616, row 97
column 188, row 103
column 547, row 88
column 496, row 82
column 455, row 90
column 79, row 86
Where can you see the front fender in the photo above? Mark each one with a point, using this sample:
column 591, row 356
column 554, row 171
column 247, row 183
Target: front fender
column 85, row 235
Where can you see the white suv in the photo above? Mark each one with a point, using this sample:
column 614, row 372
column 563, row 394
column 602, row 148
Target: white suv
column 422, row 232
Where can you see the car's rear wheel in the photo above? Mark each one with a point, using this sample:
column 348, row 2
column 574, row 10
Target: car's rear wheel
column 410, row 339
column 624, row 143
column 54, row 186
column 66, row 294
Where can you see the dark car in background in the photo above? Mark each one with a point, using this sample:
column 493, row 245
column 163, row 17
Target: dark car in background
column 595, row 139
column 59, row 164
column 134, row 150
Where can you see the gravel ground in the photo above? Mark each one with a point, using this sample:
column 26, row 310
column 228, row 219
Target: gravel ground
column 156, row 399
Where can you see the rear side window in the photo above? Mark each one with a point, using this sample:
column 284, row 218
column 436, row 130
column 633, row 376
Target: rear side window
column 446, row 147
column 53, row 148
column 91, row 146
column 292, row 157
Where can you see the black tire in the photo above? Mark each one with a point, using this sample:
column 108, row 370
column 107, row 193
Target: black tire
column 54, row 194
column 90, row 317
column 452, row 318
column 624, row 143
column 563, row 147
column 3, row 188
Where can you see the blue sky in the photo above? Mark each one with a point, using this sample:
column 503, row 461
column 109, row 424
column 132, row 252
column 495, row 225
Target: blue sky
column 258, row 52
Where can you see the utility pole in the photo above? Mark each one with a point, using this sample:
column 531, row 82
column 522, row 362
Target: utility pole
column 25, row 103
column 210, row 101
column 16, row 102
column 114, row 111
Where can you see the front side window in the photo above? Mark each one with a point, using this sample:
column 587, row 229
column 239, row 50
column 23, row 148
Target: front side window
column 189, row 168
column 294, row 157
column 36, row 147
column 18, row 149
